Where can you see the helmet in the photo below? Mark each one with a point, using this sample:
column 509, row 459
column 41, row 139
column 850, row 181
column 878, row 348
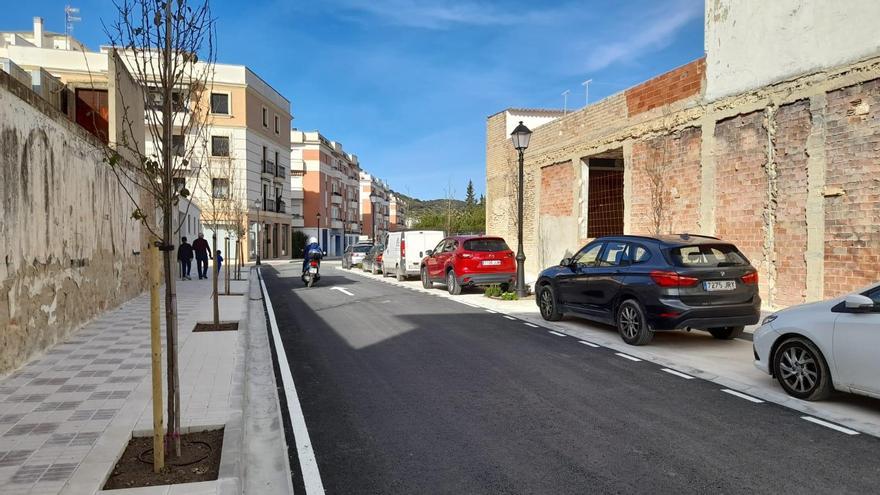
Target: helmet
column 313, row 240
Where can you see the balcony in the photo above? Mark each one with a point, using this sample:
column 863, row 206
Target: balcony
column 336, row 223
column 336, row 198
column 279, row 173
column 298, row 221
column 268, row 204
column 297, row 194
column 353, row 203
column 280, row 206
column 268, row 168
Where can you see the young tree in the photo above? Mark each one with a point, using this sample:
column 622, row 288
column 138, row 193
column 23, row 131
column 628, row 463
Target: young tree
column 656, row 171
column 169, row 49
column 219, row 203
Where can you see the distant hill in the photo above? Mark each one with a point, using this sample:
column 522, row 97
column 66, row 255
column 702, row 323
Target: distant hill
column 417, row 208
column 432, row 214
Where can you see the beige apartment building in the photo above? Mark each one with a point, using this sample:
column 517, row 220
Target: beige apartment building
column 375, row 197
column 396, row 213
column 324, row 181
column 243, row 154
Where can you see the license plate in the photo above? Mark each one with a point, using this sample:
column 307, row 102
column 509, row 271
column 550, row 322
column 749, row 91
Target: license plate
column 313, row 269
column 491, row 262
column 717, row 285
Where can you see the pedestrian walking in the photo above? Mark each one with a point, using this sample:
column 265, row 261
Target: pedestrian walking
column 219, row 257
column 203, row 252
column 185, row 256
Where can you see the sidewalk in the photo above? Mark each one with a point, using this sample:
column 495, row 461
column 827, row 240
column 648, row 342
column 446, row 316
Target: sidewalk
column 66, row 416
column 728, row 363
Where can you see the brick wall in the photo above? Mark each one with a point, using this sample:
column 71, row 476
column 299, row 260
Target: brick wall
column 741, row 187
column 793, row 123
column 680, row 152
column 557, row 189
column 852, row 235
column 667, row 88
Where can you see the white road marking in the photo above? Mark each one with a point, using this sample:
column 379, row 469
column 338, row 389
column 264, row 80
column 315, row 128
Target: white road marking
column 307, row 462
column 531, row 325
column 588, row 343
column 627, row 356
column 677, row 373
column 509, row 317
column 490, row 311
column 344, row 291
column 830, row 425
column 742, row 396
column 556, row 333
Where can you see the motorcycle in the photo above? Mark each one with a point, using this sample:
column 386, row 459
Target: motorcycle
column 313, row 272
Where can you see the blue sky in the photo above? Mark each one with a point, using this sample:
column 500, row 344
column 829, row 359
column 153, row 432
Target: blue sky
column 407, row 84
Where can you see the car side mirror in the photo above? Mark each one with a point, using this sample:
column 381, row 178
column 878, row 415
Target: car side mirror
column 565, row 262
column 429, row 252
column 857, row 303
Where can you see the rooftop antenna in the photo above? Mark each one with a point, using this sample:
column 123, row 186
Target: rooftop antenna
column 586, row 85
column 565, row 101
column 71, row 15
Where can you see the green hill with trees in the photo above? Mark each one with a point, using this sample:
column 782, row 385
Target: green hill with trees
column 454, row 216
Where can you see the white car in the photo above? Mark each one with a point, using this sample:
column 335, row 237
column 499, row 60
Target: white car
column 815, row 348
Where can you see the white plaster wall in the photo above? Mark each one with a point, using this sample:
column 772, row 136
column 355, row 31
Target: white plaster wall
column 751, row 43
column 531, row 120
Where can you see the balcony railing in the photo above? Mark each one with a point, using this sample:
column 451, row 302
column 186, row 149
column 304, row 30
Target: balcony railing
column 268, row 205
column 280, row 207
column 279, row 171
column 268, row 167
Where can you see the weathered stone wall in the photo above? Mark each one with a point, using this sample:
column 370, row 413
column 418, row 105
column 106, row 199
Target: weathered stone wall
column 66, row 234
column 788, row 172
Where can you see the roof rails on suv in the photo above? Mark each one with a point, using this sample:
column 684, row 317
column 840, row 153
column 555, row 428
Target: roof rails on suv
column 685, row 236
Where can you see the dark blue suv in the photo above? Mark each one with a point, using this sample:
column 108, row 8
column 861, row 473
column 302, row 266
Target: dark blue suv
column 644, row 284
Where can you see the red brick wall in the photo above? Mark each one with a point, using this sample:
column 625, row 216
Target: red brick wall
column 741, row 186
column 557, row 189
column 667, row 88
column 793, row 123
column 852, row 220
column 681, row 151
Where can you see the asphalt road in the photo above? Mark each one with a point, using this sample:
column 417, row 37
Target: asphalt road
column 403, row 392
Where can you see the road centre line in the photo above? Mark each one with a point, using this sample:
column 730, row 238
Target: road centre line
column 830, row 425
column 556, row 333
column 627, row 356
column 307, row 462
column 742, row 396
column 588, row 343
column 677, row 373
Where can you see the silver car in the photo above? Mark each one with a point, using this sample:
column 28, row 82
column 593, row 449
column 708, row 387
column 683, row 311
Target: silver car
column 815, row 348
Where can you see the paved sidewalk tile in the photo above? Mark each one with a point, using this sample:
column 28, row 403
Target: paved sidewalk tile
column 66, row 416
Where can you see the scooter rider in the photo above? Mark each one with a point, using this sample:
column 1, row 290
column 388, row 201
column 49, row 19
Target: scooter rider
column 311, row 249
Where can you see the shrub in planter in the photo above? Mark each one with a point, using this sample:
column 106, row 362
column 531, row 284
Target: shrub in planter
column 493, row 291
column 509, row 296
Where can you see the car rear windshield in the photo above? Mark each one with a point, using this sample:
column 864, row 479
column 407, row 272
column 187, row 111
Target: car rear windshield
column 361, row 249
column 486, row 245
column 707, row 255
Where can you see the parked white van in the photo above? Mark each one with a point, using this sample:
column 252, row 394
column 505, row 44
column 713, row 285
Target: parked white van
column 404, row 251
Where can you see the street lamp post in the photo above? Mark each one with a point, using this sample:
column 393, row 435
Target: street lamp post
column 259, row 204
column 373, row 201
column 520, row 137
column 318, row 216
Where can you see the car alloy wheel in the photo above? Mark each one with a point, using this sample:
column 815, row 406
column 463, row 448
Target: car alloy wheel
column 426, row 282
column 547, row 305
column 452, row 284
column 631, row 323
column 801, row 370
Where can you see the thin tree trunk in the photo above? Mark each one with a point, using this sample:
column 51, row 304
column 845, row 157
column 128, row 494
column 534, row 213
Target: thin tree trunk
column 156, row 351
column 214, row 280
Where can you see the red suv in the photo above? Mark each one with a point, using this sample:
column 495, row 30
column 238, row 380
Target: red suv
column 467, row 261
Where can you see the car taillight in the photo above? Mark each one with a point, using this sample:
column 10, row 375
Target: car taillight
column 402, row 248
column 314, row 263
column 672, row 279
column 379, row 258
column 750, row 278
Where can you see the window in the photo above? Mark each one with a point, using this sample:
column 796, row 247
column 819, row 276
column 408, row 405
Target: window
column 155, row 99
column 615, row 252
column 439, row 248
column 587, row 256
column 486, row 245
column 178, row 145
column 219, row 145
column 875, row 296
column 220, row 188
column 640, row 254
column 265, row 117
column 705, row 255
column 179, row 183
column 220, row 103
column 277, row 128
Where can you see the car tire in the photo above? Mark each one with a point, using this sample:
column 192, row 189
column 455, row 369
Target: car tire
column 384, row 271
column 373, row 269
column 426, row 281
column 452, row 284
column 631, row 323
column 548, row 305
column 801, row 370
column 400, row 275
column 727, row 333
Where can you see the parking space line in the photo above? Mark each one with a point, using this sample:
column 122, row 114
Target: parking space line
column 830, row 425
column 556, row 333
column 588, row 343
column 742, row 396
column 677, row 373
column 490, row 311
column 627, row 356
column 509, row 317
column 530, row 324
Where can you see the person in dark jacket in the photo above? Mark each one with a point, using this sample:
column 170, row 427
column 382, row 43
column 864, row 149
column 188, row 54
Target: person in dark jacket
column 219, row 257
column 185, row 256
column 312, row 248
column 203, row 252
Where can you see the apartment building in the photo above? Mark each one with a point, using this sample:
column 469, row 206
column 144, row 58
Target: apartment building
column 396, row 213
column 246, row 134
column 324, row 179
column 375, row 197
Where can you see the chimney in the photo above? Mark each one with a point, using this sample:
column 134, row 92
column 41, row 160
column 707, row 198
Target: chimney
column 38, row 32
